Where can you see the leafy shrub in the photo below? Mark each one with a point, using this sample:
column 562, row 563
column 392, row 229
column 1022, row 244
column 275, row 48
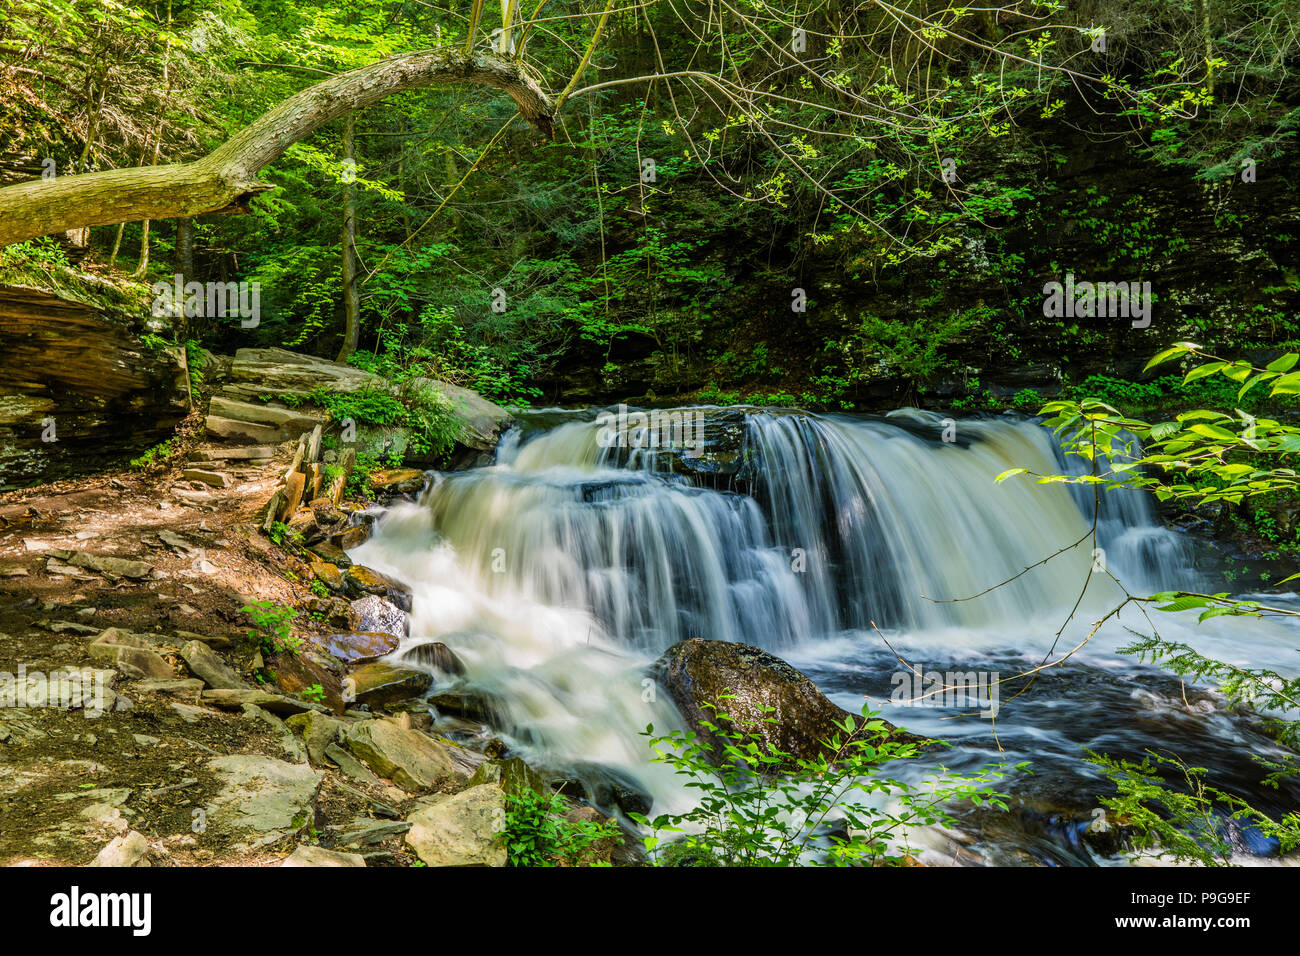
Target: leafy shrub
column 538, row 834
column 420, row 408
column 272, row 627
column 755, row 811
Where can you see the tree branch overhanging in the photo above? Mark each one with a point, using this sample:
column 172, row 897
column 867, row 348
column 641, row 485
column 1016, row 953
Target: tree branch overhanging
column 226, row 180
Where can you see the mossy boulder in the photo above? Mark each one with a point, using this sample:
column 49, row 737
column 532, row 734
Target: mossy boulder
column 697, row 672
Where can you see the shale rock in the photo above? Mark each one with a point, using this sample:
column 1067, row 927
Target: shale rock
column 464, row 829
column 412, row 760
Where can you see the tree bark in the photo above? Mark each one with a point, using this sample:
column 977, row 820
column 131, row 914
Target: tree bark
column 185, row 247
column 351, row 303
column 225, row 181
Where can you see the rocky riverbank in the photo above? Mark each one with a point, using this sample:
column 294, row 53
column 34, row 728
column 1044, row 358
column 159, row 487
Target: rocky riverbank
column 147, row 727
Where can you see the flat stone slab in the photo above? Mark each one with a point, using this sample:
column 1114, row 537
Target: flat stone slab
column 235, row 430
column 235, row 699
column 259, row 794
column 216, row 479
column 465, row 829
column 319, row 856
column 285, row 419
column 412, row 760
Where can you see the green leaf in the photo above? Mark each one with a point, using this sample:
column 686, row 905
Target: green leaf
column 1203, row 371
column 1287, row 385
column 1173, row 351
column 1213, row 431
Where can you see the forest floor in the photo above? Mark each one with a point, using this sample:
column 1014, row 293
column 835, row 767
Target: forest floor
column 73, row 778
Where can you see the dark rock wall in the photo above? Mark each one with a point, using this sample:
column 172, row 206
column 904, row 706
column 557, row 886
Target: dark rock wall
column 78, row 388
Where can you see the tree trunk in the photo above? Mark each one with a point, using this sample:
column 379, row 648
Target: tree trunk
column 351, row 303
column 185, row 247
column 225, row 181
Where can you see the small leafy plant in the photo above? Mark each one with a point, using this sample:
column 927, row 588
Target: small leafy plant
column 154, row 456
column 272, row 628
column 539, row 834
column 283, row 535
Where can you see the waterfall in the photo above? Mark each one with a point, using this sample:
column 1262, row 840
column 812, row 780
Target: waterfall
column 846, row 522
column 558, row 573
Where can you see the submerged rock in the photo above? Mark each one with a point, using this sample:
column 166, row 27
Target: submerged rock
column 606, row 787
column 436, row 655
column 463, row 703
column 697, row 672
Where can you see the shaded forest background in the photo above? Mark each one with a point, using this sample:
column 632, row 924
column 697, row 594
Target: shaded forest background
column 654, row 251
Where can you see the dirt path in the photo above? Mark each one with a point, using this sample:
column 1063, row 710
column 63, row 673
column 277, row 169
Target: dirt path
column 166, row 561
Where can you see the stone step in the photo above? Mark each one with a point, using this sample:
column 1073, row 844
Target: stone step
column 242, row 453
column 234, row 430
column 296, row 421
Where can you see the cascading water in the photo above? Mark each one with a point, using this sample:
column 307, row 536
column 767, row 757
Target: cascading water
column 560, row 572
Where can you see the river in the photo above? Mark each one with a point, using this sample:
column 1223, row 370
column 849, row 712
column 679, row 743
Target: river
column 840, row 543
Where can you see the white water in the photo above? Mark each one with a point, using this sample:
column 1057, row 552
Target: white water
column 558, row 575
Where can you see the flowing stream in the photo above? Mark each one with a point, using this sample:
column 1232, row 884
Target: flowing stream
column 839, row 543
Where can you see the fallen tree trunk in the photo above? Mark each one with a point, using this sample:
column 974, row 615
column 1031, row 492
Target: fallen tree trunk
column 225, row 181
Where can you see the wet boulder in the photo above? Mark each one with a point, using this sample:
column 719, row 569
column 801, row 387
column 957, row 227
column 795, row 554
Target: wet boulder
column 397, row 481
column 359, row 581
column 697, row 672
column 435, row 655
column 379, row 683
column 376, row 615
column 359, row 647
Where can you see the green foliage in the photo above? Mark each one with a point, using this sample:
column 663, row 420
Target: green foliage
column 1186, row 820
column 1199, row 456
column 38, row 255
column 538, row 833
column 194, row 361
column 284, row 536
column 415, row 406
column 157, row 455
column 760, row 806
column 911, row 349
column 272, row 629
column 314, row 693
